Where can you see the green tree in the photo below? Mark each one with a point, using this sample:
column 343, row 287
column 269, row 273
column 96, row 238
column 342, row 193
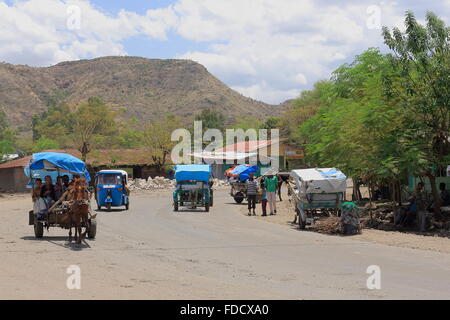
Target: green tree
column 211, row 119
column 7, row 137
column 302, row 109
column 90, row 125
column 246, row 123
column 157, row 139
column 420, row 82
column 45, row 144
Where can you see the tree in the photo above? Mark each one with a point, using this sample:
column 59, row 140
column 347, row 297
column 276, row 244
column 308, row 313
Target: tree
column 7, row 137
column 211, row 119
column 45, row 144
column 420, row 82
column 91, row 124
column 157, row 139
column 246, row 123
column 357, row 128
column 302, row 109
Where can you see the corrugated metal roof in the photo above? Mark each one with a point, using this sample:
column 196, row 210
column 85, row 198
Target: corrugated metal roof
column 116, row 157
column 18, row 163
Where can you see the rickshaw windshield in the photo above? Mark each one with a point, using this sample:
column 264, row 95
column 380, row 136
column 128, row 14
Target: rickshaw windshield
column 109, row 178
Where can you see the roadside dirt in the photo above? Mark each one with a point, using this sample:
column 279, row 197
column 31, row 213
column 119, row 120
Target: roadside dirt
column 285, row 216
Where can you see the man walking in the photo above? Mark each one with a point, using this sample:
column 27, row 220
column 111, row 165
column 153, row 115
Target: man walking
column 252, row 191
column 271, row 183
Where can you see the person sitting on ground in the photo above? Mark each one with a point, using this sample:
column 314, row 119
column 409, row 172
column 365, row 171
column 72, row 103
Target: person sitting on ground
column 409, row 214
column 252, row 191
column 444, row 195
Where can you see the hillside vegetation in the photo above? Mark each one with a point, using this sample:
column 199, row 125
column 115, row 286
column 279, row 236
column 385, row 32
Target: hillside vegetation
column 146, row 88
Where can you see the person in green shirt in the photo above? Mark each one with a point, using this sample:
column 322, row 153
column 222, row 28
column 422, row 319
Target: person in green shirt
column 271, row 183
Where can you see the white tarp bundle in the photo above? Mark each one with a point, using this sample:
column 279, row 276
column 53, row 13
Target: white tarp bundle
column 319, row 180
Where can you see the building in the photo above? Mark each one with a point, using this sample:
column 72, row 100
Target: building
column 289, row 157
column 137, row 162
column 12, row 175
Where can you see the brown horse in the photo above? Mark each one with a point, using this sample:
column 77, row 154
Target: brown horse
column 79, row 197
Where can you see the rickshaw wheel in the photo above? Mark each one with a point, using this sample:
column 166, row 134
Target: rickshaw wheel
column 99, row 207
column 127, row 206
column 108, row 206
column 239, row 197
column 38, row 230
column 175, row 206
column 207, row 206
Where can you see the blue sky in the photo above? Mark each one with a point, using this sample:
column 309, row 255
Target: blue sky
column 269, row 50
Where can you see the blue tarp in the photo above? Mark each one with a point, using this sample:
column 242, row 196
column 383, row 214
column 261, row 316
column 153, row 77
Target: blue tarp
column 59, row 161
column 332, row 173
column 244, row 171
column 197, row 172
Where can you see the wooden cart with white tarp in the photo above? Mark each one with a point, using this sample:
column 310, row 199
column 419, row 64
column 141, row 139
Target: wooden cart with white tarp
column 316, row 190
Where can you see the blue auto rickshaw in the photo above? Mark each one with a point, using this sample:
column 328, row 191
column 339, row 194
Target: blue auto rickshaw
column 111, row 189
column 194, row 186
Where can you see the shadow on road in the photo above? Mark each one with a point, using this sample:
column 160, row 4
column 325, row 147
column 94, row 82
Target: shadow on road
column 111, row 211
column 61, row 241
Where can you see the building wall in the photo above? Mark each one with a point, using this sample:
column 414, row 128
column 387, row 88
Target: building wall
column 13, row 179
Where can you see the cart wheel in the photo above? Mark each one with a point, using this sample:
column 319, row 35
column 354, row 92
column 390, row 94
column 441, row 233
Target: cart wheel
column 239, row 197
column 207, row 206
column 175, row 206
column 92, row 231
column 38, row 230
column 108, row 206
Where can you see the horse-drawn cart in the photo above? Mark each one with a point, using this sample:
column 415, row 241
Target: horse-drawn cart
column 316, row 191
column 75, row 198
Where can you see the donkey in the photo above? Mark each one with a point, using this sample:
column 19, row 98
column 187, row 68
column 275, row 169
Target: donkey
column 78, row 197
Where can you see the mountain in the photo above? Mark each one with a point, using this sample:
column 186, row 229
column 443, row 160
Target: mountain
column 146, row 88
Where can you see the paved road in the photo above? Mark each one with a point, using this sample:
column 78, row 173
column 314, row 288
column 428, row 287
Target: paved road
column 151, row 252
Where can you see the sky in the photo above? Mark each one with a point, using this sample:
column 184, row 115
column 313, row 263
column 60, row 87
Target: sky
column 269, row 50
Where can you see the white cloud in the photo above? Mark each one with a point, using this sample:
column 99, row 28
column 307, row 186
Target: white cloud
column 266, row 49
column 41, row 36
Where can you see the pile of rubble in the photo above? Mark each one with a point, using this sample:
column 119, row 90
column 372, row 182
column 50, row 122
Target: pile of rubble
column 150, row 184
column 162, row 183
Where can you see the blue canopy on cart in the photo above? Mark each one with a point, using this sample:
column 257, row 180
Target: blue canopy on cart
column 62, row 162
column 197, row 172
column 244, row 171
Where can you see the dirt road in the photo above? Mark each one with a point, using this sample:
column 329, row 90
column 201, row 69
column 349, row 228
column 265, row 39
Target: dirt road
column 151, row 252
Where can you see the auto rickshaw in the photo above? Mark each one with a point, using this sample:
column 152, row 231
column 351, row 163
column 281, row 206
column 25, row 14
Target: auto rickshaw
column 111, row 189
column 194, row 186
